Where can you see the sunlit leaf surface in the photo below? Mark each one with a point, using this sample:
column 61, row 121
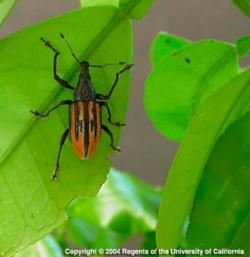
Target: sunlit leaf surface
column 164, row 44
column 31, row 205
column 46, row 247
column 184, row 78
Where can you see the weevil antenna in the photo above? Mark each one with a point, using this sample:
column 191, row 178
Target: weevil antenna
column 70, row 48
column 108, row 64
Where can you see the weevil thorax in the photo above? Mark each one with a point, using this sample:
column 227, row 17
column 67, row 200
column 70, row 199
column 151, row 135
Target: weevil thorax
column 84, row 90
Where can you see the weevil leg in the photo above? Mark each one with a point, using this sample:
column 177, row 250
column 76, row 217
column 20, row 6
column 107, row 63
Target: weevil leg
column 106, row 105
column 63, row 138
column 106, row 129
column 38, row 114
column 62, row 82
column 118, row 74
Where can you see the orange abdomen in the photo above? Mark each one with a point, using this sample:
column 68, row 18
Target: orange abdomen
column 85, row 128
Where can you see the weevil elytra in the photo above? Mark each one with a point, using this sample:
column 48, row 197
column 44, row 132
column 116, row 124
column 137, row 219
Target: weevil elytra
column 85, row 116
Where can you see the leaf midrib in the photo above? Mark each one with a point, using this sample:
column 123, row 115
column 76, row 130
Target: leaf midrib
column 111, row 25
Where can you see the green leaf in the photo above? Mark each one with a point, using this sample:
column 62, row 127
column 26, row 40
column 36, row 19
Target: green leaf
column 124, row 207
column 5, row 8
column 87, row 3
column 242, row 239
column 210, row 120
column 243, row 5
column 222, row 203
column 136, row 9
column 183, row 80
column 140, row 10
column 165, row 44
column 243, row 45
column 149, row 242
column 31, row 205
column 46, row 247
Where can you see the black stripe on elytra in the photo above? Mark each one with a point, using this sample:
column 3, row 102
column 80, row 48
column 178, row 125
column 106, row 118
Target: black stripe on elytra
column 76, row 112
column 94, row 120
column 86, row 127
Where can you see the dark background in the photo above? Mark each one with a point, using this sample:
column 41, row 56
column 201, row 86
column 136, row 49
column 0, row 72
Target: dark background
column 145, row 153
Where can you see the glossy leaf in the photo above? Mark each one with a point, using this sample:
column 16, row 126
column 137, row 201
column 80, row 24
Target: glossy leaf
column 225, row 184
column 46, row 247
column 5, row 8
column 211, row 119
column 124, row 207
column 243, row 5
column 165, row 44
column 243, row 45
column 181, row 81
column 31, row 205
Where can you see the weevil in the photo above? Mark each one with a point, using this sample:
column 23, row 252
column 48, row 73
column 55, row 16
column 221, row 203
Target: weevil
column 85, row 111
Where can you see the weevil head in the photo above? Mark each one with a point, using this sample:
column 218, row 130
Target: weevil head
column 85, row 69
column 84, row 90
column 85, row 64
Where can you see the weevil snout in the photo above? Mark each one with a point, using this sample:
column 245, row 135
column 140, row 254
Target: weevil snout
column 85, row 63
